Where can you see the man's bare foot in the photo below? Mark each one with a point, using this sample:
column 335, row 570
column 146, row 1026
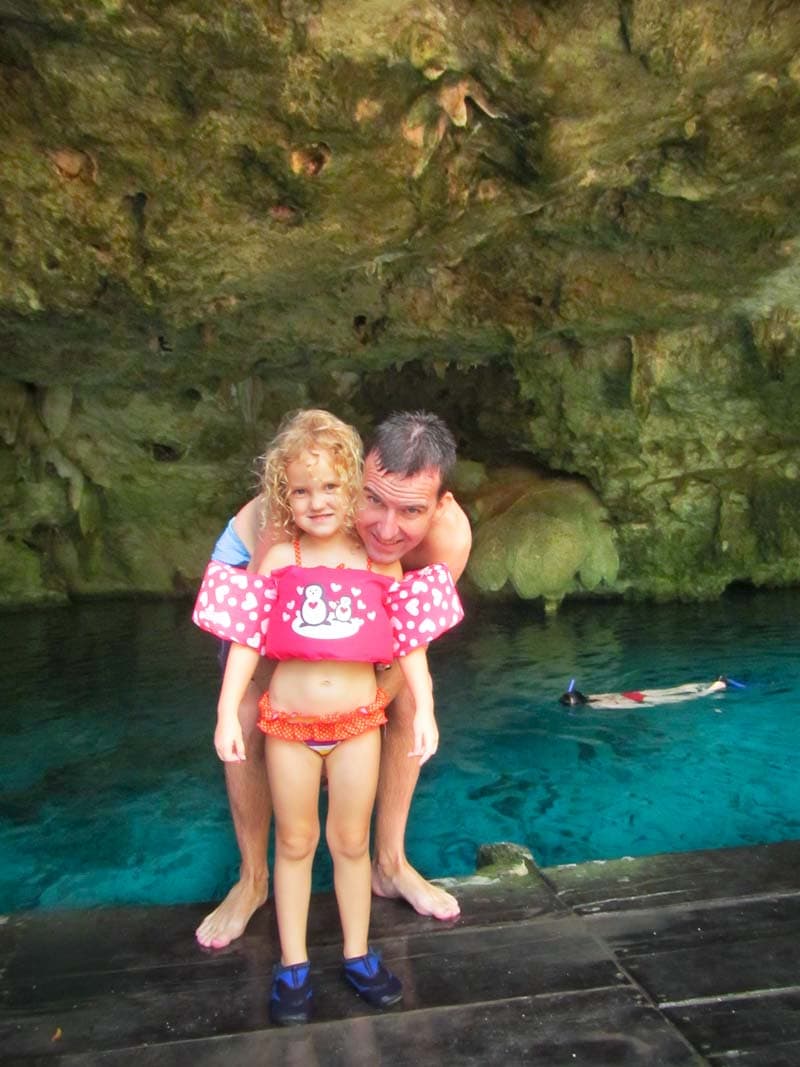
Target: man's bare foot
column 424, row 897
column 228, row 921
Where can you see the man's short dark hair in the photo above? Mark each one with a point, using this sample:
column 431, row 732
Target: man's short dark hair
column 408, row 442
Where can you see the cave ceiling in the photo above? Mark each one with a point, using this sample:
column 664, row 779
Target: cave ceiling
column 571, row 227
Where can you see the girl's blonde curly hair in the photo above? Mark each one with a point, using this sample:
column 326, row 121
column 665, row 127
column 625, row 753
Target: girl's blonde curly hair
column 313, row 431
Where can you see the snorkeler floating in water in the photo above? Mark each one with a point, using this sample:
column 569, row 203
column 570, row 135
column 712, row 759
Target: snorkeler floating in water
column 647, row 697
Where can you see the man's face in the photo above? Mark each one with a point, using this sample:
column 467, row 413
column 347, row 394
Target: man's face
column 395, row 513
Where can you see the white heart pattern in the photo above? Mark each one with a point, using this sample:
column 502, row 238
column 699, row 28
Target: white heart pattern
column 412, row 607
column 354, row 591
column 419, row 587
column 234, row 605
column 336, row 588
column 427, row 626
column 220, row 618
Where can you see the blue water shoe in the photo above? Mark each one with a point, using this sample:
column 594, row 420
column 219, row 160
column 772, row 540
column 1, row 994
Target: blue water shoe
column 292, row 998
column 372, row 981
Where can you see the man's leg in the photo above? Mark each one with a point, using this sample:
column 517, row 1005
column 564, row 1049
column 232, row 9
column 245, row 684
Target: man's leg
column 251, row 809
column 392, row 874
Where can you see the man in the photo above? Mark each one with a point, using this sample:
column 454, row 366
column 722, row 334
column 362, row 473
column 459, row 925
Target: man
column 407, row 513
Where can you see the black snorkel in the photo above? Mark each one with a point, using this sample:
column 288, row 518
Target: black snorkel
column 573, row 698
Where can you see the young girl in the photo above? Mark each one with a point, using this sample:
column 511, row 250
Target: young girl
column 328, row 614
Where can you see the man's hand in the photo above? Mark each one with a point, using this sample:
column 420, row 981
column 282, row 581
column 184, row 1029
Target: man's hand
column 426, row 735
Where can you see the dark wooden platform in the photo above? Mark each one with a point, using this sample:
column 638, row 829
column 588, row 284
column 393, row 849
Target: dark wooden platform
column 683, row 959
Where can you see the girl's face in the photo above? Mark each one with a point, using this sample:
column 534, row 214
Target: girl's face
column 315, row 494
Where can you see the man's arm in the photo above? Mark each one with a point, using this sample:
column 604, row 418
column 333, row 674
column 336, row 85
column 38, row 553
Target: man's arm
column 258, row 538
column 449, row 541
column 418, row 679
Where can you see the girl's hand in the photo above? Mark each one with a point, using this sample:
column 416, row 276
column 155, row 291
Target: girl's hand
column 229, row 741
column 426, row 735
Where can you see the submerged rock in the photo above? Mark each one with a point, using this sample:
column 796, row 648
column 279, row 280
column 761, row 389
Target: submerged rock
column 504, row 859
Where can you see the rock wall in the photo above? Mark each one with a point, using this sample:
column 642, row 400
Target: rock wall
column 569, row 227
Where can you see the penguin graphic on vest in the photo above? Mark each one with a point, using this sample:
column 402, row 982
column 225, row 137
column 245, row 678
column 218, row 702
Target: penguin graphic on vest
column 313, row 610
column 344, row 609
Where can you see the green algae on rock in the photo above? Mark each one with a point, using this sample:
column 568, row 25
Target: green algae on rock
column 569, row 228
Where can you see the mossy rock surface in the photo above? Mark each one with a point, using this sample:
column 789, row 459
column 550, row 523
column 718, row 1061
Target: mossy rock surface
column 569, row 228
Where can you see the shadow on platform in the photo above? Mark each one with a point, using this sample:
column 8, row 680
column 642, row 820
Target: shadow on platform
column 690, row 958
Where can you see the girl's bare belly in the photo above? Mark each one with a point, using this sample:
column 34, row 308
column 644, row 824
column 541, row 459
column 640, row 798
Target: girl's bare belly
column 321, row 687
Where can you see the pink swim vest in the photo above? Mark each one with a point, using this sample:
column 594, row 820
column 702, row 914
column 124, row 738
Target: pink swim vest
column 328, row 613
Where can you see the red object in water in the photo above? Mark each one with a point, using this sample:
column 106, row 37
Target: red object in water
column 635, row 694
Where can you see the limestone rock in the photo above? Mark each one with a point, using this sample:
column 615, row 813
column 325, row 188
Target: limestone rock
column 55, row 408
column 504, row 858
column 547, row 538
column 569, row 228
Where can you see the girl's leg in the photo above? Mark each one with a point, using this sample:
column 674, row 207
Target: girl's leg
column 294, row 775
column 352, row 781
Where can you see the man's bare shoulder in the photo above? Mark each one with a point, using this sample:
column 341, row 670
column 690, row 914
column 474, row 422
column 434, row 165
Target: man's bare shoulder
column 448, row 540
column 390, row 570
column 247, row 523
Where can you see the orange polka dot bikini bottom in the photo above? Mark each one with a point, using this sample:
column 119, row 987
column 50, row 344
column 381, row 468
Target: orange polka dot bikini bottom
column 322, row 733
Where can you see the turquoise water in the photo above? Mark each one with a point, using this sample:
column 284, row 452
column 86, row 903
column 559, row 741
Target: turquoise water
column 110, row 790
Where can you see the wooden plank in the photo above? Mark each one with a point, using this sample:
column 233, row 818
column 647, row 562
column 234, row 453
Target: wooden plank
column 582, row 1029
column 723, row 949
column 679, row 877
column 110, row 939
column 102, row 1009
column 746, row 1029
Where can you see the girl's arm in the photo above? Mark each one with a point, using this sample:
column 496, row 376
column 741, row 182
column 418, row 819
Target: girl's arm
column 426, row 733
column 239, row 671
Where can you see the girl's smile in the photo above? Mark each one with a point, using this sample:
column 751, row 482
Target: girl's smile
column 314, row 493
